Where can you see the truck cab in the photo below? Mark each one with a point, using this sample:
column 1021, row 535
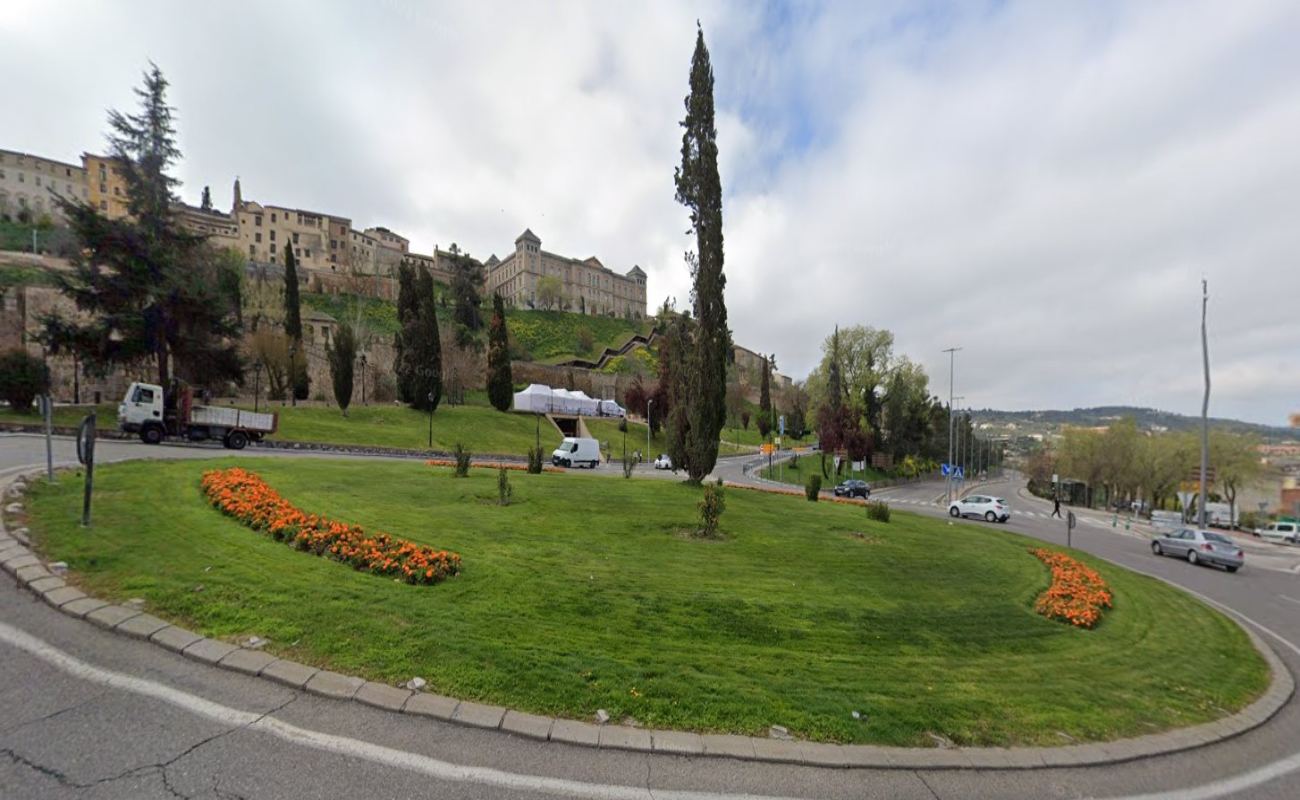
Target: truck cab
column 141, row 410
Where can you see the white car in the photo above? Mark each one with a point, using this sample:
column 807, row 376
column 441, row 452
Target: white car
column 663, row 462
column 992, row 509
column 1281, row 532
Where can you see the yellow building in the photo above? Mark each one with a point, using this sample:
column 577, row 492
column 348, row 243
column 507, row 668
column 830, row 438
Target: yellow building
column 105, row 184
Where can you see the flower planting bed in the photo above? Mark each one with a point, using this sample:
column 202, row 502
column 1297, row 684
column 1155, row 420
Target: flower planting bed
column 1077, row 594
column 243, row 495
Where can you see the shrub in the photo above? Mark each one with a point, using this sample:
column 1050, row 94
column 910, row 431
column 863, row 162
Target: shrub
column 712, row 504
column 462, row 460
column 878, row 511
column 503, row 486
column 794, row 461
column 535, row 460
column 813, row 488
column 586, row 340
column 22, row 377
column 629, row 464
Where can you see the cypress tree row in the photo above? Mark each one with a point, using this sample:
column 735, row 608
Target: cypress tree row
column 407, row 309
column 422, row 348
column 700, row 189
column 500, row 383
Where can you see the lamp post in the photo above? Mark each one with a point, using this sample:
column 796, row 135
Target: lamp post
column 430, row 420
column 257, row 382
column 952, row 366
column 648, row 405
column 293, row 374
column 363, row 379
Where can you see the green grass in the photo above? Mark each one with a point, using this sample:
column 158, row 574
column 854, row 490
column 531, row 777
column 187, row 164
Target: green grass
column 69, row 416
column 23, row 275
column 552, row 336
column 810, row 463
column 378, row 316
column 585, row 594
column 606, row 430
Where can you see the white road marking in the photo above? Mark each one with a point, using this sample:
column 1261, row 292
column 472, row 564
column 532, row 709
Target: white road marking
column 343, row 745
column 1292, row 599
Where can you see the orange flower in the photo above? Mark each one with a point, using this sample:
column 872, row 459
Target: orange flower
column 1077, row 594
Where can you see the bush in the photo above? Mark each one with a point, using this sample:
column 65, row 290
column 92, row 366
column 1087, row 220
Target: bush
column 535, row 460
column 503, row 485
column 878, row 511
column 462, row 461
column 813, row 488
column 384, row 389
column 711, row 507
column 22, row 377
column 629, row 464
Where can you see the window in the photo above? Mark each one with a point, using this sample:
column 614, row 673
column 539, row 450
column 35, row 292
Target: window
column 142, row 395
column 273, row 235
column 250, row 251
column 38, row 180
column 272, row 248
column 272, row 216
column 307, row 253
column 257, row 237
column 295, row 238
column 103, row 205
column 103, row 187
column 257, row 220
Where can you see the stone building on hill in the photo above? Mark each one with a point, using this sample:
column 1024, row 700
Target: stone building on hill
column 586, row 286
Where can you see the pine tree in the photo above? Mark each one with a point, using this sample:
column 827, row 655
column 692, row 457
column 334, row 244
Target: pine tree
column 342, row 354
column 407, row 310
column 500, row 382
column 422, row 347
column 293, row 325
column 206, row 203
column 149, row 289
column 699, row 188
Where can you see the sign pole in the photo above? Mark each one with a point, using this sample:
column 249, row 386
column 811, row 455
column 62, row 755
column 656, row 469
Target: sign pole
column 86, row 454
column 1069, row 528
column 47, row 411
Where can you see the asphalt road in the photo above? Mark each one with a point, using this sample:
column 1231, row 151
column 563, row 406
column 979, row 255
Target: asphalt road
column 88, row 714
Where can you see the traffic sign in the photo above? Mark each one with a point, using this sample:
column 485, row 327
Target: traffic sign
column 945, row 470
column 959, row 474
column 767, row 448
column 1185, row 498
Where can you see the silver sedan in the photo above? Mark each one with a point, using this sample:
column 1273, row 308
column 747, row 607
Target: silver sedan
column 1199, row 547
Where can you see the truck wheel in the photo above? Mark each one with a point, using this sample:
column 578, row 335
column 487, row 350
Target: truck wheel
column 151, row 434
column 236, row 440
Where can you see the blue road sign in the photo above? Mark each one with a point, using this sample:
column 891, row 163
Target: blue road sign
column 945, row 470
column 957, row 473
column 781, row 424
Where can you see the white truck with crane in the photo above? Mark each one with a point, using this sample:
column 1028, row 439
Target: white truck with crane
column 147, row 412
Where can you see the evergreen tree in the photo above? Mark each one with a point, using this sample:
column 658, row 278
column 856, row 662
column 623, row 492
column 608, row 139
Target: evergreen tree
column 422, row 347
column 500, row 382
column 293, row 325
column 765, row 399
column 466, row 278
column 674, row 388
column 834, row 383
column 206, row 203
column 342, row 354
column 407, row 310
column 700, row 189
column 149, row 289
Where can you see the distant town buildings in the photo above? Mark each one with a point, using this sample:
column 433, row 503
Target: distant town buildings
column 326, row 246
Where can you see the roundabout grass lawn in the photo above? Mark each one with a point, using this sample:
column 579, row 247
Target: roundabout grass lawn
column 585, row 593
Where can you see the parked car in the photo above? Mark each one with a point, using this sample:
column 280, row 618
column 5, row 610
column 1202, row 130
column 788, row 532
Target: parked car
column 576, row 452
column 1199, row 547
column 1288, row 532
column 853, row 488
column 992, row 509
column 663, row 462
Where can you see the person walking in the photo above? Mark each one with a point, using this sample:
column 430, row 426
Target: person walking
column 1056, row 507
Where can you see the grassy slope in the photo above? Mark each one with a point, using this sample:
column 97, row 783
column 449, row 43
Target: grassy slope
column 797, row 473
column 584, row 595
column 606, row 430
column 552, row 336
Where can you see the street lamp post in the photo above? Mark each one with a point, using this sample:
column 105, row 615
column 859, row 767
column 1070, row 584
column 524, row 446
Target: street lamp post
column 430, row 420
column 952, row 366
column 293, row 375
column 648, row 405
column 257, row 383
column 1205, row 409
column 363, row 379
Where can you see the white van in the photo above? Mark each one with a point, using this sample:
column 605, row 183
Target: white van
column 576, row 452
column 1281, row 531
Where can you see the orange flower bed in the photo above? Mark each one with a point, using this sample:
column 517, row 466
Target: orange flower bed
column 449, row 462
column 246, row 497
column 1077, row 594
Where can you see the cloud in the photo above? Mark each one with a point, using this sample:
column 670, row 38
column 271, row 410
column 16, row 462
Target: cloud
column 1042, row 184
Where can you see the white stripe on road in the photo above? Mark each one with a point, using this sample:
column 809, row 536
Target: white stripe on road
column 343, row 745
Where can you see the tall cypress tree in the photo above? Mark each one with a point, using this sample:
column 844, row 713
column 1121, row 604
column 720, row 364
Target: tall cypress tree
column 675, row 388
column 500, row 382
column 765, row 399
column 149, row 289
column 422, row 347
column 700, row 189
column 342, row 354
column 407, row 310
column 293, row 325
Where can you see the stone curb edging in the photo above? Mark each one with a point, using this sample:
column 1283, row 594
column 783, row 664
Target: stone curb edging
column 29, row 571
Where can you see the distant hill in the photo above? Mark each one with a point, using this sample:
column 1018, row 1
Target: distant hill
column 1146, row 418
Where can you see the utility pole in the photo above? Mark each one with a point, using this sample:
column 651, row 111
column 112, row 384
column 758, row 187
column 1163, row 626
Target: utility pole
column 1205, row 407
column 952, row 366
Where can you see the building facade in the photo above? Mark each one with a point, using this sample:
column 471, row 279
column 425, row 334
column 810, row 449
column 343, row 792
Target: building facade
column 32, row 183
column 586, row 286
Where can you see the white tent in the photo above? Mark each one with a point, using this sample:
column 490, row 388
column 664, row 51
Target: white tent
column 585, row 405
column 534, row 400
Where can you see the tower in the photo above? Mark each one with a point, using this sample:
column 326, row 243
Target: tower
column 239, row 199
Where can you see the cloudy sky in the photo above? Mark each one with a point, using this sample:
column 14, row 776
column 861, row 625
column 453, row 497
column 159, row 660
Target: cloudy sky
column 1041, row 184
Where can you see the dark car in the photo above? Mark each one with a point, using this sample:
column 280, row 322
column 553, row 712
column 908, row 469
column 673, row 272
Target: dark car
column 853, row 488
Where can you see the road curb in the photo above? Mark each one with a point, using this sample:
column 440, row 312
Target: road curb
column 223, row 655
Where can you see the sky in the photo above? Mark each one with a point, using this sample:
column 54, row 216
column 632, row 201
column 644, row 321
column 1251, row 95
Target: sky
column 1044, row 185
